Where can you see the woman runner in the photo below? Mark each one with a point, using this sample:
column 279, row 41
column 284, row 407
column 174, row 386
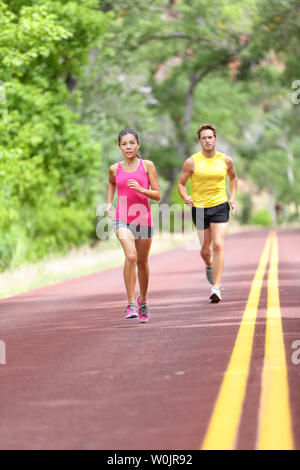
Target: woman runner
column 133, row 219
column 210, row 207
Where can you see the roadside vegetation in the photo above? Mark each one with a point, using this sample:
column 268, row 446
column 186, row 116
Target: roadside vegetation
column 74, row 73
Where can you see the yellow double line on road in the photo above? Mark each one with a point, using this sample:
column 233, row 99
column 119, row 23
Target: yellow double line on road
column 274, row 420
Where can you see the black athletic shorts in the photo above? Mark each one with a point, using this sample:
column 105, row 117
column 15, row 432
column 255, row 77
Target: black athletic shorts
column 202, row 217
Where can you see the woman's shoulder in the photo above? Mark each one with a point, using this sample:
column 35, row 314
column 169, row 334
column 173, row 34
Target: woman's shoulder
column 148, row 162
column 113, row 168
column 148, row 165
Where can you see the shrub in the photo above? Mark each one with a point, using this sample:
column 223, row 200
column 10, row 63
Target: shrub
column 261, row 217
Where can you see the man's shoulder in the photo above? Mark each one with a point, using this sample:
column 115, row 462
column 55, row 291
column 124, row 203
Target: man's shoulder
column 228, row 160
column 223, row 156
column 189, row 162
column 195, row 155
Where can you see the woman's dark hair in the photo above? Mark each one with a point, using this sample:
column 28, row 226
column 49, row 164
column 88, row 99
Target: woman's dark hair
column 128, row 131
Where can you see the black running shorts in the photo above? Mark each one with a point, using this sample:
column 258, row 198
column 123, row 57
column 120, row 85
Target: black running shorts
column 202, row 217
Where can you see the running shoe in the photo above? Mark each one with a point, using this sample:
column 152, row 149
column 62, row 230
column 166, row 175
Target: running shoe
column 215, row 295
column 209, row 274
column 143, row 313
column 131, row 311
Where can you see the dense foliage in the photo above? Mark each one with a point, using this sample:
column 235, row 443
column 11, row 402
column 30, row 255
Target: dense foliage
column 73, row 73
column 48, row 162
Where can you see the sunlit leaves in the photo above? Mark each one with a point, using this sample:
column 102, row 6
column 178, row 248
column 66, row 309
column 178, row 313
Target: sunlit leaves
column 49, row 164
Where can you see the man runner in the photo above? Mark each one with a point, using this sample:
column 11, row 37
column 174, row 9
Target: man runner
column 210, row 207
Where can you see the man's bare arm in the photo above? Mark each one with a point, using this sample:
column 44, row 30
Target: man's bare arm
column 233, row 184
column 186, row 172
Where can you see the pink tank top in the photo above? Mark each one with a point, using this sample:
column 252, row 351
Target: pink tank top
column 133, row 207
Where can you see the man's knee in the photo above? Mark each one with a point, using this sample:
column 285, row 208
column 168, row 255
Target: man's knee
column 206, row 251
column 218, row 245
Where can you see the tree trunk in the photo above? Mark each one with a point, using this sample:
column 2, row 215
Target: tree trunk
column 272, row 208
column 183, row 144
column 167, row 195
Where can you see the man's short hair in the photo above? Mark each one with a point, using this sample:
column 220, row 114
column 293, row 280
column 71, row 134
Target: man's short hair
column 204, row 127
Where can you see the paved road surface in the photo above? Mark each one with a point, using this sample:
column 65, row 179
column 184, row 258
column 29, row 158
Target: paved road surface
column 198, row 375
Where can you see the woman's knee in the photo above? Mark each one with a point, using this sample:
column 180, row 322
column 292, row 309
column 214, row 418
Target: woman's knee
column 142, row 263
column 131, row 258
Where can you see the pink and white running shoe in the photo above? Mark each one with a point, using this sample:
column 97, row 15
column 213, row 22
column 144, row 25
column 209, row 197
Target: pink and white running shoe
column 131, row 311
column 143, row 313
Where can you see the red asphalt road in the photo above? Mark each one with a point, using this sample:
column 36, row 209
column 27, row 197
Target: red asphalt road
column 80, row 376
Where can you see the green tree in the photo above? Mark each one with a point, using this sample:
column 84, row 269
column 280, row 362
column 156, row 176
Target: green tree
column 48, row 161
column 174, row 50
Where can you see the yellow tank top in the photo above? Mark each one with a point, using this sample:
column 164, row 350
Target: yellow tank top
column 209, row 180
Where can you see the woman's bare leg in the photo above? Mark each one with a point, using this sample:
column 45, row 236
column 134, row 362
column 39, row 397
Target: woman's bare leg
column 143, row 248
column 126, row 239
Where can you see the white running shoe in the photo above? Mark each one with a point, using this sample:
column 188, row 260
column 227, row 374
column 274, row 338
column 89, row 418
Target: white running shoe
column 215, row 295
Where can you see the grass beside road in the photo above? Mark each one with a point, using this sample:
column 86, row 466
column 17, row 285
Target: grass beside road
column 79, row 262
column 86, row 260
